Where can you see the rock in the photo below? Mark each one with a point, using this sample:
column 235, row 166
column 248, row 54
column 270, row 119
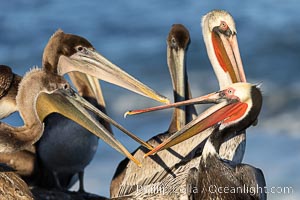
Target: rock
column 43, row 194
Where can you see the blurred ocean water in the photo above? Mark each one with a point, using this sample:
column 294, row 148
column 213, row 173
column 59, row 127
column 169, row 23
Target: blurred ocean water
column 132, row 34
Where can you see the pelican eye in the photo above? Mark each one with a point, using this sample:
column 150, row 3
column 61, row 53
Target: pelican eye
column 66, row 86
column 230, row 91
column 173, row 43
column 224, row 26
column 82, row 49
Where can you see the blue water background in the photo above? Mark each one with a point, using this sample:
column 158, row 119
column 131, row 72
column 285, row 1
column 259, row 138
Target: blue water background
column 132, row 34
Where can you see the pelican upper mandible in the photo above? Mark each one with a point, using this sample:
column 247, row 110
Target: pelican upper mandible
column 127, row 176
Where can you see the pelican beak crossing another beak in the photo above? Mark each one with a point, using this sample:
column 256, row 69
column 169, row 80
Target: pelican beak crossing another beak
column 92, row 108
column 66, row 53
column 233, row 104
column 220, row 37
column 210, row 98
column 94, row 64
column 71, row 105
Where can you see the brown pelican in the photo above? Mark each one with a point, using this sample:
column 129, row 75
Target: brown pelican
column 220, row 37
column 219, row 33
column 177, row 42
column 228, row 114
column 49, row 94
column 8, row 91
column 237, row 108
column 67, row 53
column 127, row 176
column 241, row 104
column 40, row 94
column 243, row 181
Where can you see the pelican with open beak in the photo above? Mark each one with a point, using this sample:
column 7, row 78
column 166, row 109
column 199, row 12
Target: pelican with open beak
column 234, row 104
column 238, row 107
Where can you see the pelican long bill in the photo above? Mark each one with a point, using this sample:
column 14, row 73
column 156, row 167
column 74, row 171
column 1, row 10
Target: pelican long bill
column 92, row 108
column 90, row 62
column 228, row 109
column 177, row 71
column 228, row 55
column 70, row 106
column 89, row 86
column 220, row 37
column 210, row 98
column 226, row 112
